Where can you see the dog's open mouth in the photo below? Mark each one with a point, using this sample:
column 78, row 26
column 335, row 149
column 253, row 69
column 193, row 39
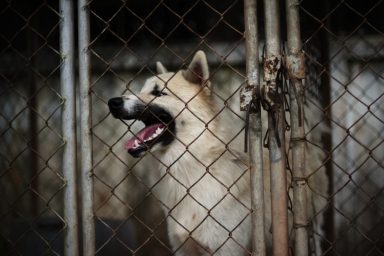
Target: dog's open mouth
column 144, row 139
column 159, row 128
column 159, row 125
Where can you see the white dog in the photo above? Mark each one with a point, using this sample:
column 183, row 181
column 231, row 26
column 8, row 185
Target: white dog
column 204, row 185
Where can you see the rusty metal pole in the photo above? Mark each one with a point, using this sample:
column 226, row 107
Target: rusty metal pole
column 296, row 72
column 273, row 98
column 255, row 127
column 88, row 220
column 67, row 82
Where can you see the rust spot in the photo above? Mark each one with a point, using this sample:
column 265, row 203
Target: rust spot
column 271, row 65
column 295, row 64
column 194, row 216
column 246, row 96
column 271, row 68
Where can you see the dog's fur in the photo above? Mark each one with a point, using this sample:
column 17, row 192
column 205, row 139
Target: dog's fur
column 204, row 185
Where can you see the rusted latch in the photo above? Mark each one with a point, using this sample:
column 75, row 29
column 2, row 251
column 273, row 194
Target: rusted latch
column 272, row 93
column 271, row 68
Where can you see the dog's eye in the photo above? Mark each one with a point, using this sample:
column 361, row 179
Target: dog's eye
column 156, row 92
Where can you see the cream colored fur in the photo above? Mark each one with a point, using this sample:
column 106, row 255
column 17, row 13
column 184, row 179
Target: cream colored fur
column 204, row 187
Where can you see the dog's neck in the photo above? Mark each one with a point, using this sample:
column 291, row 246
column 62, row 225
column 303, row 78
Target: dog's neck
column 183, row 167
column 196, row 153
column 196, row 140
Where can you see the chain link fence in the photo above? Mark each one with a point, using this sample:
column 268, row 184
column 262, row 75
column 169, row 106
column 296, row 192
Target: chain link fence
column 122, row 209
column 348, row 37
column 32, row 179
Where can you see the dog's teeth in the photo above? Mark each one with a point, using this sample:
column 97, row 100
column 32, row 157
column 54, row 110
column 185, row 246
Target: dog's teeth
column 158, row 130
column 155, row 134
column 136, row 144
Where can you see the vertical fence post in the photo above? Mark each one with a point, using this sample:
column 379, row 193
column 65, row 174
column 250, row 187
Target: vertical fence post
column 255, row 127
column 272, row 95
column 67, row 80
column 295, row 69
column 85, row 130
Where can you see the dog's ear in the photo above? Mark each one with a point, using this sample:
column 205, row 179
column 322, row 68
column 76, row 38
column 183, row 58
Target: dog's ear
column 197, row 71
column 160, row 68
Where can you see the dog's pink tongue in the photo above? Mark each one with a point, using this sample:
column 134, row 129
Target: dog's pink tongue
column 143, row 135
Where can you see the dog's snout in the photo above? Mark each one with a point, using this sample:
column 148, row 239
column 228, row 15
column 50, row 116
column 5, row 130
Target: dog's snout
column 116, row 103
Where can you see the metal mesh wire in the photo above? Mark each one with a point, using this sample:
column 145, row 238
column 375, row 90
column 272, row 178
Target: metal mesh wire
column 343, row 45
column 31, row 142
column 142, row 208
column 349, row 69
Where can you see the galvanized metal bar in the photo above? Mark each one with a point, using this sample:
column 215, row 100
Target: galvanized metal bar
column 276, row 127
column 293, row 26
column 295, row 67
column 88, row 222
column 255, row 129
column 67, row 80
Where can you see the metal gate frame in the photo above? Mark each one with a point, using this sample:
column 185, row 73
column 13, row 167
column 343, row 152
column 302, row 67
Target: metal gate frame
column 271, row 95
column 67, row 80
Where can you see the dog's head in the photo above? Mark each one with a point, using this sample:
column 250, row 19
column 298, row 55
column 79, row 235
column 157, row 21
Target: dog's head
column 172, row 106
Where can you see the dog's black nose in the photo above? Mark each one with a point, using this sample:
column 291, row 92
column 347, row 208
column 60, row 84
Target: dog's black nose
column 115, row 103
